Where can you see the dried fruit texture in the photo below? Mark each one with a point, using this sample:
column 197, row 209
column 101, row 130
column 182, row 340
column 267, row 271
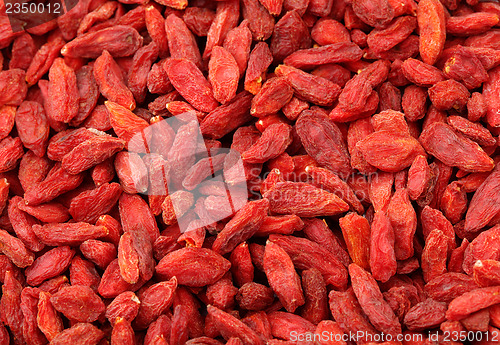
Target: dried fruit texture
column 390, row 151
column 22, row 224
column 329, row 31
column 309, row 87
column 282, row 277
column 138, row 72
column 356, row 231
column 486, row 272
column 109, row 78
column 348, row 313
column 84, row 333
column 48, row 320
column 471, row 302
column 426, row 314
column 274, row 95
column 253, row 296
column 420, row 73
column 71, row 234
column 432, row 26
column 223, row 74
column 414, row 102
column 78, row 303
column 191, row 84
column 11, row 150
column 318, row 231
column 226, row 18
column 491, row 90
column 181, row 42
column 374, row 13
column 154, row 301
column 15, row 250
column 434, row 255
column 259, row 60
column 372, row 301
column 90, row 153
column 12, row 315
column 49, row 265
column 32, row 127
column 331, row 129
column 465, row 66
column 63, row 95
column 403, row 219
column 242, row 226
column 329, row 181
column 323, row 141
column 449, row 94
column 471, row 130
column 290, row 34
column 193, row 266
column 331, row 53
column 419, row 176
column 483, row 206
column 380, row 40
column 118, row 40
column 13, row 87
column 382, row 256
column 229, row 326
column 273, row 142
column 304, row 200
column 481, row 249
column 88, row 206
column 306, row 254
column 7, row 120
column 453, row 149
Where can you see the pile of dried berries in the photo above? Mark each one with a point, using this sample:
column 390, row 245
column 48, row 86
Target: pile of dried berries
column 251, row 172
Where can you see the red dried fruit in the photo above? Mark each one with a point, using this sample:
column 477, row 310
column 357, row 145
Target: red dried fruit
column 125, row 305
column 372, row 302
column 242, row 226
column 61, row 234
column 349, row 315
column 453, row 149
column 191, row 84
column 432, row 26
column 229, row 326
column 449, row 94
column 331, row 53
column 356, row 230
column 154, row 301
column 13, row 87
column 426, row 314
column 434, row 255
column 403, row 219
column 48, row 320
column 78, row 303
column 471, row 302
column 303, row 200
column 282, row 277
column 118, row 40
column 91, row 152
column 49, row 265
column 390, row 151
column 62, row 103
column 226, row 18
column 223, row 74
column 193, row 266
column 491, row 91
column 323, row 141
column 85, row 333
column 382, row 256
column 306, row 254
